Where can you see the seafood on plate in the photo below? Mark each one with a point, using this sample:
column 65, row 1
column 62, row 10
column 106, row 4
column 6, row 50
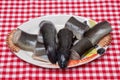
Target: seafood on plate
column 78, row 28
column 81, row 47
column 91, row 38
column 65, row 37
column 71, row 42
column 39, row 49
column 28, row 42
column 98, row 32
column 49, row 34
column 24, row 40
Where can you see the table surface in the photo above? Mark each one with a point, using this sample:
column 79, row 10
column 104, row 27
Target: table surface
column 16, row 12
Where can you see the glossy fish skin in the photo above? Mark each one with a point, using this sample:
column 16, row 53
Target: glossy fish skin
column 49, row 34
column 24, row 40
column 78, row 28
column 92, row 37
column 65, row 38
column 98, row 31
column 39, row 49
column 82, row 46
column 39, row 52
column 40, row 37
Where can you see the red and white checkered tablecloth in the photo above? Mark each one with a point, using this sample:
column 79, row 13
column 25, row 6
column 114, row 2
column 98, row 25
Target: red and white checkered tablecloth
column 16, row 12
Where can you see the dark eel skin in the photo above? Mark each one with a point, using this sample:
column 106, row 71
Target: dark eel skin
column 98, row 31
column 65, row 38
column 92, row 37
column 49, row 33
column 78, row 28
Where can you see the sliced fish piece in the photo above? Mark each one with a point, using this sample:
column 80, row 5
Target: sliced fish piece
column 39, row 49
column 65, row 38
column 49, row 34
column 39, row 52
column 40, row 37
column 91, row 38
column 24, row 40
column 97, row 32
column 81, row 47
column 78, row 28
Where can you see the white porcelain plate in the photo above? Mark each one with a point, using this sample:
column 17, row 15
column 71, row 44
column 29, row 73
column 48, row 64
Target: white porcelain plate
column 32, row 27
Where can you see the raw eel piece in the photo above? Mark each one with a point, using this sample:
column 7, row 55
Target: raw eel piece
column 92, row 37
column 78, row 28
column 24, row 40
column 49, row 34
column 65, row 38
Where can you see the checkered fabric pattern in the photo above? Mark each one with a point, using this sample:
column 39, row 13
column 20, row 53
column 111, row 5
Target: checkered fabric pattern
column 16, row 12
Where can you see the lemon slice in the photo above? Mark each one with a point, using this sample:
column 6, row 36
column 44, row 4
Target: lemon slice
column 90, row 52
column 91, row 23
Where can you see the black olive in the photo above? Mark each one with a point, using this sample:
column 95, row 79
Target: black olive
column 101, row 51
